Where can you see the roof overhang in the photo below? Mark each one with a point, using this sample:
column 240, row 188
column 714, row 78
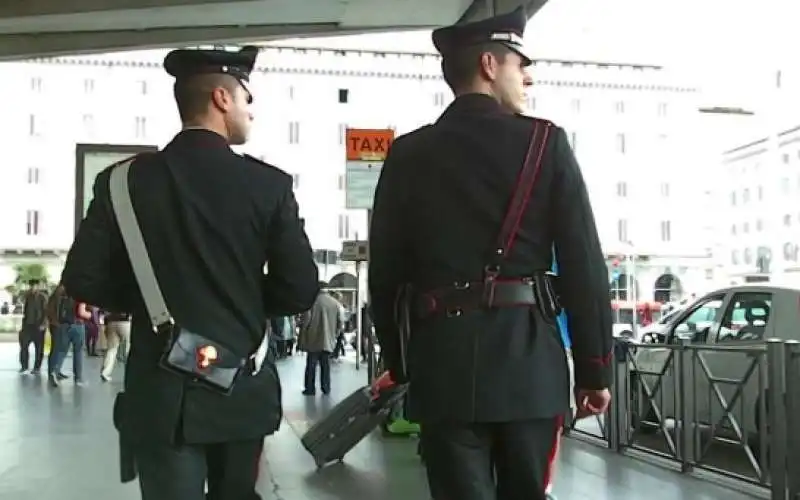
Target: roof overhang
column 56, row 27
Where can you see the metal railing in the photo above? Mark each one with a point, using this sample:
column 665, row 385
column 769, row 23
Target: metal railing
column 724, row 409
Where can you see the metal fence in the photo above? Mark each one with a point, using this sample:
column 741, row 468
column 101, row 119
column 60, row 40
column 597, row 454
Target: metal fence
column 727, row 410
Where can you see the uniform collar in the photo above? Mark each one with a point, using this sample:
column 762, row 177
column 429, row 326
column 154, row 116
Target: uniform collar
column 201, row 137
column 475, row 103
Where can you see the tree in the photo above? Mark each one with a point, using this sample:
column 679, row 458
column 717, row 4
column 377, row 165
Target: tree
column 27, row 272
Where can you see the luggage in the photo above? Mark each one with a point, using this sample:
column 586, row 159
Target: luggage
column 349, row 422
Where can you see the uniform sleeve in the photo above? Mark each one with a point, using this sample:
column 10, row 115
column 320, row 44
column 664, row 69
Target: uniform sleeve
column 583, row 276
column 388, row 254
column 292, row 280
column 97, row 270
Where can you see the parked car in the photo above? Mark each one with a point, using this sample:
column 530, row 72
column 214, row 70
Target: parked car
column 741, row 317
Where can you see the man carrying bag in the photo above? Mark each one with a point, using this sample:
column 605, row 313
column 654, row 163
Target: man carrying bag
column 179, row 239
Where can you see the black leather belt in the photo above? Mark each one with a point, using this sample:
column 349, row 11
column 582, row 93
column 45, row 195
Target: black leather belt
column 458, row 298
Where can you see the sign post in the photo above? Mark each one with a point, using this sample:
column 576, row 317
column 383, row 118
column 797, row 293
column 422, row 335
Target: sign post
column 366, row 150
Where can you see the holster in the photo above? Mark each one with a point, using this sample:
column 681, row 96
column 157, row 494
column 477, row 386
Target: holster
column 544, row 286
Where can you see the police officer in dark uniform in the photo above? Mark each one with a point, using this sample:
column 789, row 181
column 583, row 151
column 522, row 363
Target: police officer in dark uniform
column 210, row 219
column 489, row 380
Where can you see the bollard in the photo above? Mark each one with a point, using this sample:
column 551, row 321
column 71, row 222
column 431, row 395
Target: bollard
column 792, row 407
column 683, row 361
column 776, row 418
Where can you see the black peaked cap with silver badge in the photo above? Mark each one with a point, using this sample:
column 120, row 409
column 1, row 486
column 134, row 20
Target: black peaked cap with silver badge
column 505, row 29
column 184, row 63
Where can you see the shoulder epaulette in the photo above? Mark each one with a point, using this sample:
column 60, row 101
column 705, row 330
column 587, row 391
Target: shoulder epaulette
column 263, row 163
column 535, row 119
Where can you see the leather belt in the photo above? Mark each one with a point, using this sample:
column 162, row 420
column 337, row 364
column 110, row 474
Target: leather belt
column 458, row 298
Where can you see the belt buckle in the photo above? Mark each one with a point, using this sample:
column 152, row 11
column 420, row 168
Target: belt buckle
column 454, row 312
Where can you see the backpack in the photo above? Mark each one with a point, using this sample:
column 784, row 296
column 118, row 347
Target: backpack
column 66, row 311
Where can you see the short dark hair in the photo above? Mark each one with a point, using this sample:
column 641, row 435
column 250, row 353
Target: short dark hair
column 192, row 94
column 458, row 69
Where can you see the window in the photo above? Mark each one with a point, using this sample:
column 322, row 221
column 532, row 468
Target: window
column 295, row 181
column 341, row 182
column 746, row 195
column 619, row 106
column 143, row 87
column 622, row 230
column 36, row 84
column 666, row 230
column 576, row 105
column 344, row 95
column 733, row 199
column 344, row 226
column 746, row 318
column 33, row 175
column 141, row 127
column 294, row 132
column 438, row 99
column 787, row 220
column 573, row 140
column 785, row 186
column 622, row 189
column 785, row 158
column 342, row 133
column 759, row 225
column 33, row 222
column 532, row 107
column 664, row 189
column 33, row 129
column 760, row 193
column 748, row 256
column 291, row 92
column 790, row 252
column 697, row 322
column 88, row 85
column 662, row 109
column 621, row 143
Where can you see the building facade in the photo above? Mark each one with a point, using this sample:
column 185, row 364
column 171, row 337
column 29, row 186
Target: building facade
column 761, row 233
column 631, row 127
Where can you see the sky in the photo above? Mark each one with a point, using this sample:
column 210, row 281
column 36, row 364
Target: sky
column 732, row 45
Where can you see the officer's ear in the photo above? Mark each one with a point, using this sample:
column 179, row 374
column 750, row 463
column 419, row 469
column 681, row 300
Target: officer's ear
column 489, row 65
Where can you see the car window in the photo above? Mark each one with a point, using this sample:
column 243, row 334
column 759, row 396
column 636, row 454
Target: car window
column 696, row 323
column 746, row 318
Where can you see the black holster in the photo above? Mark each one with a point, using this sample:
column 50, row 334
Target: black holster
column 545, row 288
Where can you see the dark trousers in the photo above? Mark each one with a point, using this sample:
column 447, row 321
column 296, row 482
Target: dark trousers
column 323, row 360
column 339, row 349
column 179, row 472
column 92, row 336
column 492, row 461
column 31, row 334
column 55, row 346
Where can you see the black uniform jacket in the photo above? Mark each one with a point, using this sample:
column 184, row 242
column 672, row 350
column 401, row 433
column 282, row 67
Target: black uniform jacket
column 439, row 207
column 210, row 219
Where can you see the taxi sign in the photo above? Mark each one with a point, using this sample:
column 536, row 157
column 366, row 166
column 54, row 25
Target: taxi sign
column 366, row 149
column 368, row 144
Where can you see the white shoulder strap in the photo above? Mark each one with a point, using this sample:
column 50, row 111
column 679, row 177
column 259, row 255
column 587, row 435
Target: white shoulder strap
column 134, row 243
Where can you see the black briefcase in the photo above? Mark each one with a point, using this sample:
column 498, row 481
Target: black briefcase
column 331, row 438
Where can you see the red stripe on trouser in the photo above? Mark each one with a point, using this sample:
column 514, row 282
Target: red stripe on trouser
column 553, row 454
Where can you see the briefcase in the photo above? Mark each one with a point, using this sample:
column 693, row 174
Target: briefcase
column 349, row 422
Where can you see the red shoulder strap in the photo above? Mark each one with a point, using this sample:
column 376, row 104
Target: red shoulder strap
column 522, row 193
